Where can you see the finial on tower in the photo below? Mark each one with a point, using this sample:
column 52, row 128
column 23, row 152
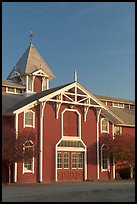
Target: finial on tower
column 75, row 75
column 31, row 35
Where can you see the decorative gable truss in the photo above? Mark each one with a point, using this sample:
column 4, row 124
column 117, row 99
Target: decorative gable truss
column 74, row 94
column 40, row 72
column 15, row 74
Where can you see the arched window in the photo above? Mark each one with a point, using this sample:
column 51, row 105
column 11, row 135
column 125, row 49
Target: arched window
column 104, row 158
column 104, row 125
column 28, row 151
column 29, row 117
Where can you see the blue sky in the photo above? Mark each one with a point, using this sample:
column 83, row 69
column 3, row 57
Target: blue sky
column 95, row 38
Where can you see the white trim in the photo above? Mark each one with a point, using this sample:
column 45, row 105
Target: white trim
column 25, row 125
column 72, row 149
column 127, row 125
column 15, row 165
column 114, row 166
column 12, row 92
column 118, row 105
column 40, row 72
column 108, row 165
column 85, row 163
column 103, row 131
column 42, row 106
column 28, row 171
column 14, row 74
column 79, row 122
column 98, row 112
column 26, row 107
column 56, row 162
column 47, row 84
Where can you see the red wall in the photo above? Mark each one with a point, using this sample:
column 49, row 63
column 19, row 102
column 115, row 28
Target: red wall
column 70, row 126
column 52, row 134
column 28, row 177
column 3, row 89
column 38, row 84
column 129, row 130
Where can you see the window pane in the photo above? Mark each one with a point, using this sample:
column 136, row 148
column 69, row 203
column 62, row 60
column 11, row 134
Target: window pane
column 66, row 160
column 104, row 125
column 28, row 165
column 104, row 157
column 29, row 118
column 74, row 160
column 80, row 160
column 10, row 89
column 59, row 160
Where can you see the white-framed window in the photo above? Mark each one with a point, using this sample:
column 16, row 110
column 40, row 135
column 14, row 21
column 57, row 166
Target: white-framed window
column 29, row 119
column 10, row 90
column 115, row 104
column 121, row 105
column 80, row 160
column 28, row 164
column 74, row 161
column 18, row 91
column 104, row 125
column 66, row 160
column 118, row 105
column 59, row 160
column 105, row 166
column 117, row 130
column 30, row 83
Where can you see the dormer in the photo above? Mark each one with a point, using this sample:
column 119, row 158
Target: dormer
column 32, row 71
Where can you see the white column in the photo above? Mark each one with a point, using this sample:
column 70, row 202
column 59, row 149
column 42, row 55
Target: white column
column 15, row 165
column 42, row 105
column 85, row 162
column 47, row 83
column 41, row 144
column 98, row 114
column 114, row 169
column 56, row 179
column 26, row 83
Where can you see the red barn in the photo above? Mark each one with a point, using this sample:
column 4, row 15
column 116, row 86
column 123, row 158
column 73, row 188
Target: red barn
column 68, row 119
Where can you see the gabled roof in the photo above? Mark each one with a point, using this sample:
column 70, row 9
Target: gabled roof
column 30, row 62
column 9, row 101
column 108, row 98
column 127, row 115
column 34, row 97
column 12, row 84
column 117, row 116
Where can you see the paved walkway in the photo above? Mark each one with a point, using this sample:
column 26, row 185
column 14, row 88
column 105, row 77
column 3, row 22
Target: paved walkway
column 100, row 191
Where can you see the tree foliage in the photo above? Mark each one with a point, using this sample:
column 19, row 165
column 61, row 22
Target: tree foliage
column 121, row 147
column 13, row 145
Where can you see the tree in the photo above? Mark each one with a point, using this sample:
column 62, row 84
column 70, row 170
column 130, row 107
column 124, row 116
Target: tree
column 13, row 146
column 121, row 148
column 9, row 147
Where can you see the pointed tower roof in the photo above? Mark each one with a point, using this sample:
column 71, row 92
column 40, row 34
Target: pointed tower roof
column 30, row 62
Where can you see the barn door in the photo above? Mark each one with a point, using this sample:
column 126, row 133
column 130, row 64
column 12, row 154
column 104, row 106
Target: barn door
column 70, row 166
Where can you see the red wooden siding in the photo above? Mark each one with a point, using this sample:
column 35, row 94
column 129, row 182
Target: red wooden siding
column 38, row 84
column 3, row 89
column 71, row 173
column 70, row 123
column 89, row 138
column 28, row 177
